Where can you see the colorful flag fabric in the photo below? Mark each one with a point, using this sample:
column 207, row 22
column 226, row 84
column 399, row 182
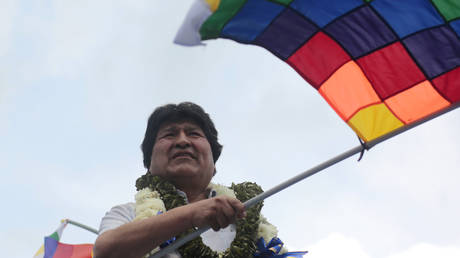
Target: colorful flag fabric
column 56, row 249
column 52, row 248
column 380, row 64
column 55, row 235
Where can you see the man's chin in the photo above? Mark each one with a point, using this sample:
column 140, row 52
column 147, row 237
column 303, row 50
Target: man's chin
column 183, row 171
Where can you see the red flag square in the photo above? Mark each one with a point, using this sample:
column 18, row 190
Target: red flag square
column 391, row 70
column 318, row 59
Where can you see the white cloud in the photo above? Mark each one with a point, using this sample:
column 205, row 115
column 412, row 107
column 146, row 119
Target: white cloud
column 424, row 250
column 337, row 245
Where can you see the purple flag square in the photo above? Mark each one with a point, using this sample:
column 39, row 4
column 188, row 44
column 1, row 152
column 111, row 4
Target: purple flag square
column 286, row 34
column 361, row 32
column 436, row 50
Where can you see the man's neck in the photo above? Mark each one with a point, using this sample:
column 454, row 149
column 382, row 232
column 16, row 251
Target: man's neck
column 194, row 193
column 194, row 197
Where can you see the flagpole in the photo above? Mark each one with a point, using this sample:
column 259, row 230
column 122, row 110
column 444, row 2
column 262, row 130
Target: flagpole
column 365, row 146
column 82, row 226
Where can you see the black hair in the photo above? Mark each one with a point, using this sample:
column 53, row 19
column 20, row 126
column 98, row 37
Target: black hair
column 176, row 113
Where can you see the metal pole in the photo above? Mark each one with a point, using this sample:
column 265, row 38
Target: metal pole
column 249, row 203
column 306, row 174
column 82, row 226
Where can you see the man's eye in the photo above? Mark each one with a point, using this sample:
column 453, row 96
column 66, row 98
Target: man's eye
column 193, row 133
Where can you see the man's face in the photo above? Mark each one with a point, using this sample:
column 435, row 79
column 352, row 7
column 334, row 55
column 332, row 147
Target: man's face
column 182, row 151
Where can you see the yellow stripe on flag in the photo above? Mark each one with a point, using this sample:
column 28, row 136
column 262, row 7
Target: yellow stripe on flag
column 213, row 4
column 40, row 253
column 374, row 121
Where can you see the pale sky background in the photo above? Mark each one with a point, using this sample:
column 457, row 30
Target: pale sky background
column 78, row 80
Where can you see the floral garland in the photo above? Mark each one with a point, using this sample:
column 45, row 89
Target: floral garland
column 158, row 195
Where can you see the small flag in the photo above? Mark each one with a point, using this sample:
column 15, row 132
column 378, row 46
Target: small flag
column 52, row 248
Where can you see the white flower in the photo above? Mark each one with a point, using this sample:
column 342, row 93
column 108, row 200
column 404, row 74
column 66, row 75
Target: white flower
column 145, row 214
column 147, row 255
column 266, row 230
column 146, row 194
column 222, row 190
column 148, row 203
column 154, row 204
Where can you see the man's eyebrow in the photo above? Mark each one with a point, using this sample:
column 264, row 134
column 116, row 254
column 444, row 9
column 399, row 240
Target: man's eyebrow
column 192, row 127
column 173, row 127
column 168, row 128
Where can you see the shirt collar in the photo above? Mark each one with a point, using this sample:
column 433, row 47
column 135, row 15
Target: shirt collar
column 212, row 193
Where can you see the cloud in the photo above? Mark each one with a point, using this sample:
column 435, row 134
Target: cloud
column 337, row 245
column 425, row 250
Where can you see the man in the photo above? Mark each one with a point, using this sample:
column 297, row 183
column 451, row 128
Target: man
column 181, row 146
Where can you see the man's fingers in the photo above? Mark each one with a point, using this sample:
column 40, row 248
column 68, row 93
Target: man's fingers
column 241, row 215
column 226, row 213
column 239, row 208
column 218, row 212
column 222, row 220
column 215, row 226
column 229, row 211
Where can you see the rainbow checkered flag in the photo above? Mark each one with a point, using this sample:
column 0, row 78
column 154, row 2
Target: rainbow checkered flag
column 382, row 65
column 52, row 248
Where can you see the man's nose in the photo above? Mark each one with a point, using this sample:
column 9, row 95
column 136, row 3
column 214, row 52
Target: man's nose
column 182, row 140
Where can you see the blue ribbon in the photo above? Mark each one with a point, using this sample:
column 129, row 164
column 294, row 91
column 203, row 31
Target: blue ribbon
column 167, row 242
column 273, row 248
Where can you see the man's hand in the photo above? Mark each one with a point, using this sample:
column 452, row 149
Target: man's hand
column 216, row 212
column 136, row 238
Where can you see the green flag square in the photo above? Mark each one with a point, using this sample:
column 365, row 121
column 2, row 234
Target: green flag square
column 283, row 2
column 450, row 9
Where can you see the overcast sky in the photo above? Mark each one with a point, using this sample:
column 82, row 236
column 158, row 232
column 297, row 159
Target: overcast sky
column 78, row 80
